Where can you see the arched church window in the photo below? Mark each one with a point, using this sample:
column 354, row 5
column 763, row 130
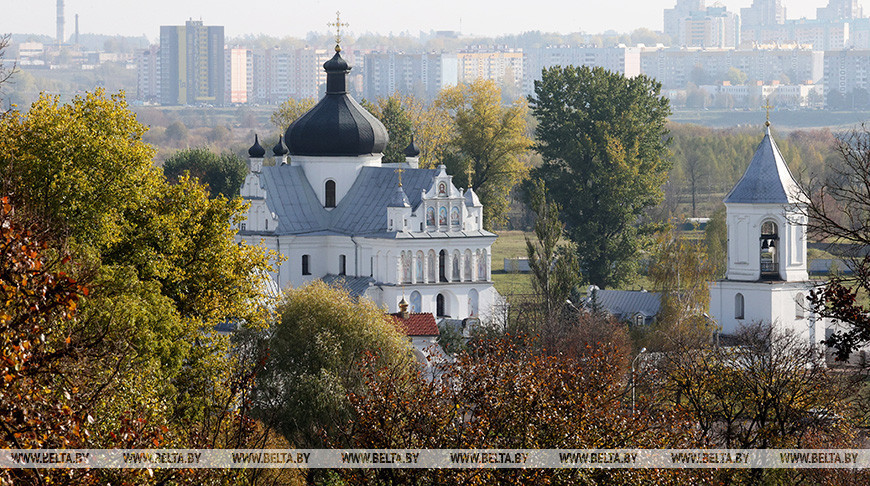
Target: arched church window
column 769, row 251
column 430, row 216
column 468, row 265
column 329, row 189
column 440, row 306
column 416, row 302
column 342, row 265
column 433, row 267
column 420, row 277
column 481, row 266
column 799, row 306
column 406, row 267
column 442, row 266
column 738, row 306
column 306, row 265
column 455, row 267
column 473, row 303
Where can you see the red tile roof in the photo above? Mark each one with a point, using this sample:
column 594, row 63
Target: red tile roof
column 422, row 324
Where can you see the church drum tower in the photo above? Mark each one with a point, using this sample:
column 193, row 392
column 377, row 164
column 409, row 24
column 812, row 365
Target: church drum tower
column 766, row 279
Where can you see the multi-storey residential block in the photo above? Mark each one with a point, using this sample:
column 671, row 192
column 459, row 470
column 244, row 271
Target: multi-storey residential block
column 675, row 68
column 691, row 24
column 420, row 75
column 148, row 75
column 762, row 13
column 192, row 64
column 840, row 10
column 501, row 65
column 847, row 78
column 621, row 59
column 240, row 75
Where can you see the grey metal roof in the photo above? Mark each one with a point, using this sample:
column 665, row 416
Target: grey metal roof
column 626, row 303
column 363, row 210
column 293, row 201
column 400, row 199
column 767, row 180
column 355, row 286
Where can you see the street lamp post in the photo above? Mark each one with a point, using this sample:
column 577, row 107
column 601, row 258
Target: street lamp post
column 633, row 362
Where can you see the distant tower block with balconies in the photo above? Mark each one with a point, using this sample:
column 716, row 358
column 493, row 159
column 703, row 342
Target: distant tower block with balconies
column 767, row 278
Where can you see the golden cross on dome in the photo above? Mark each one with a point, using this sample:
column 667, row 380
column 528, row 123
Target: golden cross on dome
column 338, row 25
column 767, row 107
column 399, row 171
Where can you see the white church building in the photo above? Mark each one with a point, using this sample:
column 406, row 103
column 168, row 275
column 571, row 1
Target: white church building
column 383, row 231
column 766, row 279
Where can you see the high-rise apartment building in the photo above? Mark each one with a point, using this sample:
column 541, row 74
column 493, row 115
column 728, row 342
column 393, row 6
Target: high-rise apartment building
column 192, row 64
column 691, row 24
column 620, row 59
column 762, row 13
column 501, row 65
column 239, row 86
column 148, row 75
column 840, row 10
column 675, row 68
column 420, row 75
column 847, row 79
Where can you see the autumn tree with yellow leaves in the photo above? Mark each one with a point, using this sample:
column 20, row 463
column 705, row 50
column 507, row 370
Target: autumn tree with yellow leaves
column 488, row 143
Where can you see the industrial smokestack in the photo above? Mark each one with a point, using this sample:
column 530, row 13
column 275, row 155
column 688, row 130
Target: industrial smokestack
column 77, row 29
column 60, row 38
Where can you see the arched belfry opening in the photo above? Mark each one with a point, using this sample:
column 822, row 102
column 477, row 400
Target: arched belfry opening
column 769, row 247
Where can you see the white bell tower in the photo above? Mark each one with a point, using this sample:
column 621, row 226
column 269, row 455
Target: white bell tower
column 766, row 279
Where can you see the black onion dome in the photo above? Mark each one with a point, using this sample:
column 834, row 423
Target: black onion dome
column 256, row 151
column 337, row 125
column 412, row 150
column 279, row 150
column 337, row 63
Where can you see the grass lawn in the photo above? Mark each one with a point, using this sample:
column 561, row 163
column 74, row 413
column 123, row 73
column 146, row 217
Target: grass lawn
column 510, row 244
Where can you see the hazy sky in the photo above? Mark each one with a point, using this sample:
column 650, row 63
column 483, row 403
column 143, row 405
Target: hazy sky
column 296, row 18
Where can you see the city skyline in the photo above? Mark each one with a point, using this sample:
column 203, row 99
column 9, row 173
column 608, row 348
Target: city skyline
column 377, row 16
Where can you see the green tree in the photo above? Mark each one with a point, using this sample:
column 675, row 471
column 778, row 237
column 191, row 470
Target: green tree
column 716, row 239
column 288, row 111
column 604, row 141
column 316, row 349
column 736, row 76
column 554, row 269
column 163, row 269
column 391, row 112
column 176, row 131
column 488, row 144
column 223, row 174
column 681, row 271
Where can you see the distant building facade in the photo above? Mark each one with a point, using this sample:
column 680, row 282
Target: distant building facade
column 192, row 64
column 620, row 59
column 847, row 79
column 240, row 75
column 502, row 65
column 148, row 75
column 691, row 24
column 676, row 68
column 421, row 75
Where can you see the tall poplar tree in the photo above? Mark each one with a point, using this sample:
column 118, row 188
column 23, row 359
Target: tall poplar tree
column 603, row 138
